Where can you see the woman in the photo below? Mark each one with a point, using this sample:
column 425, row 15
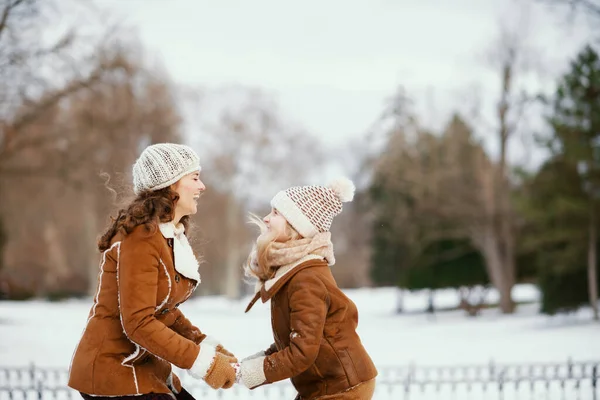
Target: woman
column 135, row 330
column 314, row 323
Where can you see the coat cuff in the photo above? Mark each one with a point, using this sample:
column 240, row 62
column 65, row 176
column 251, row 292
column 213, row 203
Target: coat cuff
column 211, row 341
column 203, row 361
column 253, row 373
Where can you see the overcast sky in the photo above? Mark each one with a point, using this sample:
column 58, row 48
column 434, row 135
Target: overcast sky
column 331, row 64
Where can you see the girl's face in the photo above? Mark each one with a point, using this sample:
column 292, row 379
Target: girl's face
column 277, row 226
column 189, row 189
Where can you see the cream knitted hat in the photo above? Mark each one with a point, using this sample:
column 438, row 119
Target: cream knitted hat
column 163, row 164
column 310, row 209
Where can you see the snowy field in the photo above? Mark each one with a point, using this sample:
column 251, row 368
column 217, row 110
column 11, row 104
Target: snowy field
column 45, row 334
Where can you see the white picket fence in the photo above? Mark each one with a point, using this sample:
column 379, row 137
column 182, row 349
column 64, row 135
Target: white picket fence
column 543, row 381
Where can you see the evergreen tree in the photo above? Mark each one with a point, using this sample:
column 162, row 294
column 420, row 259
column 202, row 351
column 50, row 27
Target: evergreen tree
column 563, row 197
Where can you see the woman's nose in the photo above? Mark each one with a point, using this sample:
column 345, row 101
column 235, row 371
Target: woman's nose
column 202, row 186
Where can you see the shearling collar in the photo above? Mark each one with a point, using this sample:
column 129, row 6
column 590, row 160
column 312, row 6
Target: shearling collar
column 286, row 269
column 267, row 290
column 170, row 231
column 184, row 259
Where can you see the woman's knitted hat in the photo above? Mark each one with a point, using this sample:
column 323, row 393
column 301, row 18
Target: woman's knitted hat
column 163, row 164
column 310, row 209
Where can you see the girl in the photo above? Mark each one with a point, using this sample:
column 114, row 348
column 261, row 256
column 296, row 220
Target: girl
column 135, row 330
column 314, row 323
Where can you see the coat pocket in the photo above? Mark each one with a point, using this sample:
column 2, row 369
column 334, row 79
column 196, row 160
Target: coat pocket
column 349, row 367
column 316, row 370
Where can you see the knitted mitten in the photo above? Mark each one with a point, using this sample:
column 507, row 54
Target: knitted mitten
column 212, row 341
column 214, row 368
column 251, row 372
column 230, row 357
column 221, row 374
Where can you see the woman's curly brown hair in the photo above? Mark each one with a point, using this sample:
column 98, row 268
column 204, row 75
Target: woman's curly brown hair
column 149, row 208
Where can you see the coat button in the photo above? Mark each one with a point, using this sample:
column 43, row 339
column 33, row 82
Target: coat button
column 177, row 278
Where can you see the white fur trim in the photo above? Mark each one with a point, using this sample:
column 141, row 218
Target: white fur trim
column 343, row 188
column 169, row 230
column 287, row 268
column 257, row 286
column 252, row 372
column 211, row 341
column 170, row 384
column 137, row 347
column 255, row 355
column 166, row 299
column 131, row 358
column 118, row 246
column 185, row 261
column 293, row 215
column 203, row 361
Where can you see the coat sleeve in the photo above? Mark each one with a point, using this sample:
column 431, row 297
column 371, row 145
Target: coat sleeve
column 272, row 349
column 308, row 300
column 137, row 275
column 185, row 328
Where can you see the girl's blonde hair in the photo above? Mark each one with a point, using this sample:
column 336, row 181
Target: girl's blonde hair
column 257, row 265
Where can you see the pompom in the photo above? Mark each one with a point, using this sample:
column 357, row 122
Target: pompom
column 343, row 188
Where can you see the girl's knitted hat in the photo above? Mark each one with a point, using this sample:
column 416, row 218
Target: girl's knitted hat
column 310, row 209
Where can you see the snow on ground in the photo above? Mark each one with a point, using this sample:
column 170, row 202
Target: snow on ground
column 46, row 333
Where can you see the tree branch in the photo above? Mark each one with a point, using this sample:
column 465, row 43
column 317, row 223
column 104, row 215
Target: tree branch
column 586, row 5
column 5, row 14
column 35, row 110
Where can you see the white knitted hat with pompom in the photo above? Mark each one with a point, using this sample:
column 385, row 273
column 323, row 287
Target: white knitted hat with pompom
column 310, row 209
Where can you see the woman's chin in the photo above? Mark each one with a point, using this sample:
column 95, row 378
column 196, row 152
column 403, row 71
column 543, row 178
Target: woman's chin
column 193, row 210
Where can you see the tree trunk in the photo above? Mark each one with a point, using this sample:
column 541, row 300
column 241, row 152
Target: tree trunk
column 4, row 288
column 233, row 264
column 57, row 267
column 499, row 249
column 399, row 301
column 3, row 232
column 592, row 279
column 3, row 241
column 430, row 304
column 498, row 264
column 507, row 254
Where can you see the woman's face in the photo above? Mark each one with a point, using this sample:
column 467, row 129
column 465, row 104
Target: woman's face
column 277, row 226
column 189, row 189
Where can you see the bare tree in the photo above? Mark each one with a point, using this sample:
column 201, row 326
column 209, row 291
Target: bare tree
column 585, row 6
column 447, row 188
column 68, row 111
column 251, row 152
